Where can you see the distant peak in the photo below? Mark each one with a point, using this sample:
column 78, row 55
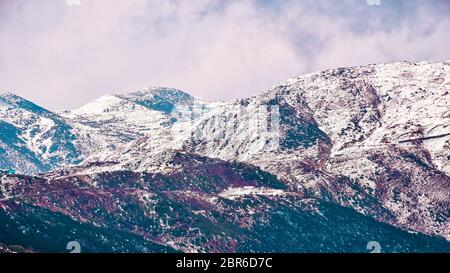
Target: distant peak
column 11, row 97
column 162, row 92
column 8, row 94
column 159, row 98
column 19, row 102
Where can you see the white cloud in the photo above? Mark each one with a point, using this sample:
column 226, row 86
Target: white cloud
column 62, row 56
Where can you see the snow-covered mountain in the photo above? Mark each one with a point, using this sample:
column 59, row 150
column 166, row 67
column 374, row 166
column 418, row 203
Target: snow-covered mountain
column 326, row 113
column 37, row 140
column 33, row 139
column 374, row 139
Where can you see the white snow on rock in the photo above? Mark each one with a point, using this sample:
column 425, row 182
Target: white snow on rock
column 234, row 193
column 345, row 129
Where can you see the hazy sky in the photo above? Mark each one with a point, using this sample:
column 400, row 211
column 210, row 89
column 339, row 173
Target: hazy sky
column 62, row 56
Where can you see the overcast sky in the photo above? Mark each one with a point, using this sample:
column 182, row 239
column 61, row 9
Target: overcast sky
column 62, row 56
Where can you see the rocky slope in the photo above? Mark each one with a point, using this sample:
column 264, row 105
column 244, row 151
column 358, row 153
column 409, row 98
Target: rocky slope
column 33, row 139
column 374, row 138
column 208, row 205
column 370, row 143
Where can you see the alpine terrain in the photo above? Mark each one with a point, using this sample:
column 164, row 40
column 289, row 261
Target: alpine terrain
column 325, row 162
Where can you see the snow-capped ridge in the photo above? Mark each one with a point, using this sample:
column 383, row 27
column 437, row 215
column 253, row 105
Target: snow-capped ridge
column 8, row 94
column 11, row 98
column 162, row 99
column 159, row 98
column 33, row 139
column 164, row 92
column 374, row 138
column 98, row 106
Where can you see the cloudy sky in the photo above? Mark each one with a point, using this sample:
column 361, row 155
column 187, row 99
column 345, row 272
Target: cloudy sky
column 62, row 56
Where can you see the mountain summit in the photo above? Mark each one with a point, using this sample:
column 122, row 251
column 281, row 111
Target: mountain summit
column 159, row 98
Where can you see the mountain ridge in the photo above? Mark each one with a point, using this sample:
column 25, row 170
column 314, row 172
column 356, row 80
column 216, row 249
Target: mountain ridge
column 362, row 138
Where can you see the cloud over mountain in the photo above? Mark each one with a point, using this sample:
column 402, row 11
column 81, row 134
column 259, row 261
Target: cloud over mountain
column 62, row 56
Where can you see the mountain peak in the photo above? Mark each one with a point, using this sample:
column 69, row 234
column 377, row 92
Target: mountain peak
column 18, row 102
column 11, row 97
column 162, row 99
column 167, row 93
column 14, row 100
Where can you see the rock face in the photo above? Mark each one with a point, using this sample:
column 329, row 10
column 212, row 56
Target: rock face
column 332, row 159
